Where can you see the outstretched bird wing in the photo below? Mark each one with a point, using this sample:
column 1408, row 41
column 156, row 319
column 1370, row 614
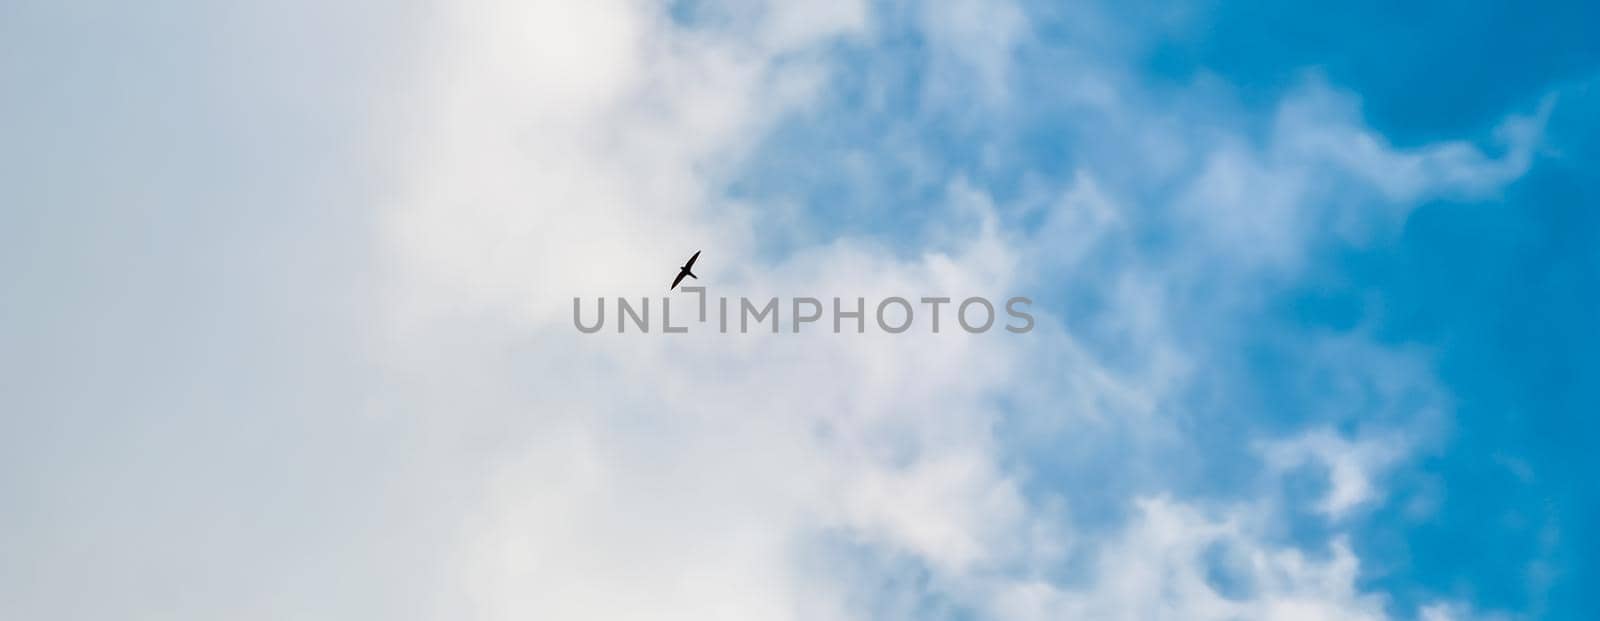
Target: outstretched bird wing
column 675, row 281
column 690, row 264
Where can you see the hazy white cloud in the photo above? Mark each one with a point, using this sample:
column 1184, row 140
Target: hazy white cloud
column 973, row 43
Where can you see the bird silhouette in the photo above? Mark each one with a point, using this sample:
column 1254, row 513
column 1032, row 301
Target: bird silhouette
column 684, row 271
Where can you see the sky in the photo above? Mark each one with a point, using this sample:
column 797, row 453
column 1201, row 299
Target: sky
column 285, row 296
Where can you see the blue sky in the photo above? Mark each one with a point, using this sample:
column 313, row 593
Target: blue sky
column 283, row 293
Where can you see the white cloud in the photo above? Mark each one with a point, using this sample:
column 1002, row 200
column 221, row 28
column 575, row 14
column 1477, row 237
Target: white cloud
column 506, row 467
column 1158, row 569
column 1351, row 465
column 578, row 151
column 1262, row 204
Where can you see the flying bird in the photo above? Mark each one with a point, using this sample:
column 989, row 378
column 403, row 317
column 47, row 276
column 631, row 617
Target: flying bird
column 684, row 271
